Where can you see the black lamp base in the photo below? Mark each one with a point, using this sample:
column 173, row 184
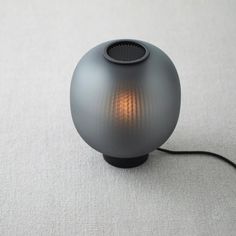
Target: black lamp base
column 125, row 162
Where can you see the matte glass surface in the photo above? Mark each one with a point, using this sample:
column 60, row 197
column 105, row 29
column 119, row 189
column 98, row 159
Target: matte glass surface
column 125, row 110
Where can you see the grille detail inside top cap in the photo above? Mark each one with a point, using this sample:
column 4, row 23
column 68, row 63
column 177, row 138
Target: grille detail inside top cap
column 126, row 52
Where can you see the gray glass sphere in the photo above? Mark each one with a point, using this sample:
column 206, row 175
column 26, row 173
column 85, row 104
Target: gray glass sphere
column 125, row 98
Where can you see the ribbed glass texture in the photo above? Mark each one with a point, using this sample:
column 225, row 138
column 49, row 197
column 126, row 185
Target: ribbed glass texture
column 125, row 110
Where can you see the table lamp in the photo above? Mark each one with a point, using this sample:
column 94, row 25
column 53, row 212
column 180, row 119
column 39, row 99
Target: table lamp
column 125, row 100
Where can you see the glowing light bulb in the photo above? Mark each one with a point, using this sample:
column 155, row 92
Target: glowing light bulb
column 126, row 107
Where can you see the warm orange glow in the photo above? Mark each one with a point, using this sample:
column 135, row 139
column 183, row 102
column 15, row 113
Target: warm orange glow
column 125, row 106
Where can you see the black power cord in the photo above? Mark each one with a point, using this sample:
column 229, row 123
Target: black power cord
column 198, row 153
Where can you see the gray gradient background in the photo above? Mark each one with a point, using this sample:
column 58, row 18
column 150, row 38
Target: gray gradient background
column 52, row 183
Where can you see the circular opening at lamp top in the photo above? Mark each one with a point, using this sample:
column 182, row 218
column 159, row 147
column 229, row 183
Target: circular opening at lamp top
column 126, row 52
